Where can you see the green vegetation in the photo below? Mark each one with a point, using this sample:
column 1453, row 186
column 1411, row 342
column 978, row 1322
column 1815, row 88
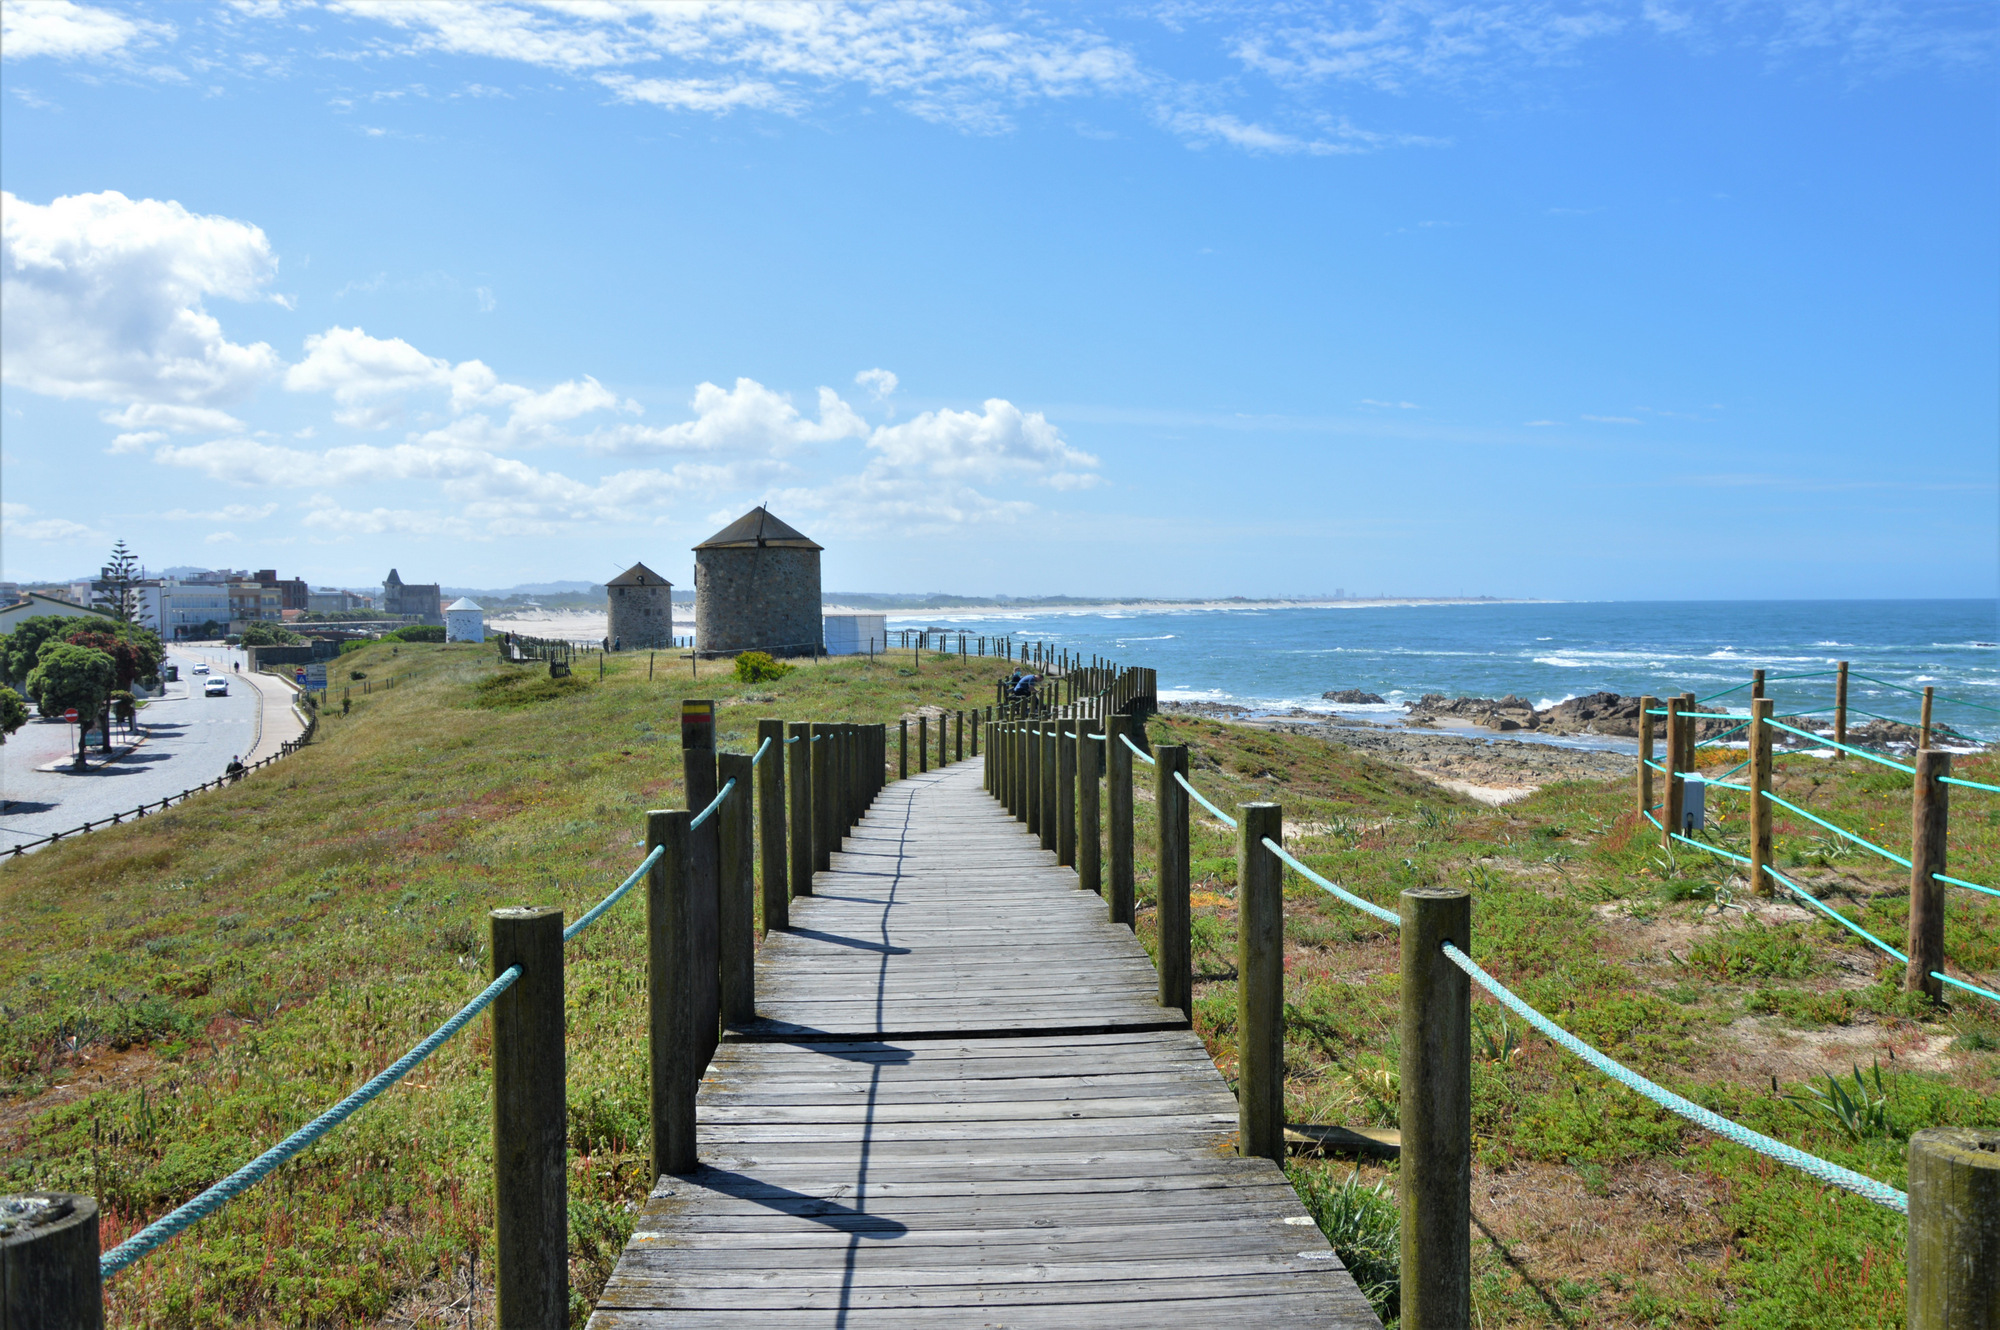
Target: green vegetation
column 13, row 712
column 265, row 633
column 758, row 667
column 179, row 993
column 415, row 632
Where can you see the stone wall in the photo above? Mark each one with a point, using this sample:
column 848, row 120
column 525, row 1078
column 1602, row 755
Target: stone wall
column 640, row 617
column 757, row 600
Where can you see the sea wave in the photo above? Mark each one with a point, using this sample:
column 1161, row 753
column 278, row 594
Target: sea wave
column 1562, row 662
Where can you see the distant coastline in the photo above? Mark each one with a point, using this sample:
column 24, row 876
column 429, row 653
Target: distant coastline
column 1077, row 605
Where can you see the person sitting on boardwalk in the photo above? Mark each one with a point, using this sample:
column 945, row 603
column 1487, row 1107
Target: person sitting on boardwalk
column 1022, row 686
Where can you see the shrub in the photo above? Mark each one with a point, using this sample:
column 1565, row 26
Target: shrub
column 758, row 667
column 416, row 632
column 346, row 647
column 1365, row 1227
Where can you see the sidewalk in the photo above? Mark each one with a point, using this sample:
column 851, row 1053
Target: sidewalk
column 278, row 721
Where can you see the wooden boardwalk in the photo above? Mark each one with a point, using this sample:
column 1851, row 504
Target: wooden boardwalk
column 961, row 1105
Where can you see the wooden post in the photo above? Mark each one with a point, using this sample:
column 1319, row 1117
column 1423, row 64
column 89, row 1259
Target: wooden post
column 958, row 735
column 48, row 1264
column 1032, row 755
column 944, row 738
column 1756, row 684
column 1930, row 820
column 1089, row 846
column 1260, row 984
column 1646, row 708
column 530, row 1123
column 1435, row 1112
column 976, row 723
column 1924, row 723
column 672, row 1043
column 1676, row 789
column 1066, row 793
column 1051, row 782
column 822, row 794
column 798, row 769
column 903, row 749
column 736, row 932
column 698, row 766
column 923, row 743
column 1840, row 706
column 1118, row 795
column 771, row 825
column 1761, row 880
column 1954, row 1242
column 1176, row 942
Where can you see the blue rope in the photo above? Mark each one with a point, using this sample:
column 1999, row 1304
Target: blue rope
column 714, row 804
column 1724, row 735
column 1970, row 784
column 1991, row 996
column 1654, row 765
column 1137, row 751
column 1918, row 692
column 1712, row 849
column 1825, row 742
column 1732, row 771
column 1880, row 1193
column 1839, row 831
column 590, row 916
column 762, row 749
column 1203, row 802
column 1654, row 820
column 1835, row 915
column 1386, row 916
column 1724, row 693
column 253, row 1172
column 1969, row 886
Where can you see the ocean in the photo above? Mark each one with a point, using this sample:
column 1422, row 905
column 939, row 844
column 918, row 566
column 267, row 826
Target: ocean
column 1272, row 659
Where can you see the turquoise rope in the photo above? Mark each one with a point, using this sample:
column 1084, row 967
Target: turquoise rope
column 714, row 804
column 1835, row 915
column 762, row 749
column 1724, row 693
column 1712, row 849
column 1839, row 831
column 1203, row 802
column 590, row 916
column 1970, row 886
column 1387, row 916
column 1733, row 770
column 1654, row 765
column 1970, row 784
column 1824, row 742
column 1809, row 674
column 1918, row 692
column 1878, row 1192
column 1717, row 783
column 1654, row 820
column 1956, row 983
column 1705, row 743
column 253, row 1172
column 1137, row 751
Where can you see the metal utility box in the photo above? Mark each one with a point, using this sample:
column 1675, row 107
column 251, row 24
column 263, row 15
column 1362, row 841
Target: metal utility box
column 856, row 634
column 1694, row 805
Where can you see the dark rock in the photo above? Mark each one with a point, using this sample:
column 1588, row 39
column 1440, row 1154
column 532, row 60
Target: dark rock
column 1353, row 697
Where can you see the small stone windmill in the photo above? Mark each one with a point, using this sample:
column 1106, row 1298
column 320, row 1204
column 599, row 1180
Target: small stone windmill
column 756, row 588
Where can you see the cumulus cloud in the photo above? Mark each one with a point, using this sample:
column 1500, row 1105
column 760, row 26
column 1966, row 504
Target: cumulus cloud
column 748, row 418
column 60, row 30
column 879, row 382
column 18, row 522
column 177, row 419
column 101, row 296
column 235, row 512
column 135, row 442
column 999, row 443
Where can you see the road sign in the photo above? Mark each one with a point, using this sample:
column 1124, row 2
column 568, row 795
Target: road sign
column 315, row 677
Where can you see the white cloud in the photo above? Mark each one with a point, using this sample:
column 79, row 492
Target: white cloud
column 61, row 30
column 1002, row 442
column 178, row 419
column 101, row 297
column 879, row 382
column 135, row 442
column 221, row 538
column 235, row 512
column 18, row 522
column 328, row 515
column 747, row 419
column 716, row 96
column 1613, row 420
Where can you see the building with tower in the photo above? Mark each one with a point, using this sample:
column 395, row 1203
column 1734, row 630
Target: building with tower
column 640, row 605
column 756, row 588
column 420, row 599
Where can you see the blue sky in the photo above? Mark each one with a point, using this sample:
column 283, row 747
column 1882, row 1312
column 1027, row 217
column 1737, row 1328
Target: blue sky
column 1560, row 299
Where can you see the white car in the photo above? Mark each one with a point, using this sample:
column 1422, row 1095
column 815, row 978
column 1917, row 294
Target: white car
column 200, row 669
column 216, row 688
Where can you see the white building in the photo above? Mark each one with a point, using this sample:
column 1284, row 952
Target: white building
column 35, row 604
column 856, row 634
column 464, row 621
column 177, row 610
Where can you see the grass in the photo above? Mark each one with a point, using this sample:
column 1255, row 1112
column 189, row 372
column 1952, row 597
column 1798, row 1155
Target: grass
column 178, row 994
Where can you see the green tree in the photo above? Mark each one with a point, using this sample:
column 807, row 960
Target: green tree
column 117, row 585
column 265, row 634
column 20, row 649
column 73, row 676
column 135, row 651
column 13, row 712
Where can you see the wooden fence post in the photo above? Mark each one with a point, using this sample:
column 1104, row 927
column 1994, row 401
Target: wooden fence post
column 530, row 1123
column 903, row 749
column 1066, row 793
column 1676, row 789
column 977, row 724
column 1032, row 767
column 1761, row 881
column 1260, row 984
column 1930, row 821
column 1646, row 707
column 822, row 795
column 1924, row 723
column 1954, row 1242
column 1119, row 897
column 48, row 1264
column 798, row 770
column 1176, row 942
column 1048, row 744
column 1089, row 846
column 736, row 895
column 1840, row 706
column 672, row 1044
column 923, row 743
column 944, row 739
column 1756, row 684
column 958, row 735
column 1435, row 1111
column 698, row 766
column 771, row 825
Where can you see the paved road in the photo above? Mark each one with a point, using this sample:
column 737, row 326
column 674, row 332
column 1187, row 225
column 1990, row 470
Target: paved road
column 188, row 739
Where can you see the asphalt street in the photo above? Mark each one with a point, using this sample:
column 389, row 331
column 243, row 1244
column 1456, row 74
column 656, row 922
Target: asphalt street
column 187, row 739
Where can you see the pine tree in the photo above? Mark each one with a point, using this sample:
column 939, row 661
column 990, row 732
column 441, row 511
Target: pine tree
column 116, row 592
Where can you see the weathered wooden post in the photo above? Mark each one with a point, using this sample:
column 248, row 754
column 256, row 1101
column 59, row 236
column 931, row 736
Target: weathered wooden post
column 1119, row 897
column 958, row 735
column 822, row 796
column 903, row 749
column 1260, row 984
column 1089, row 830
column 1032, row 755
column 673, row 1045
column 1930, row 820
column 1066, row 793
column 1051, row 816
column 1646, row 707
column 944, row 739
column 771, row 825
column 798, row 770
column 530, row 1123
column 976, row 724
column 1840, row 705
column 698, row 768
column 1435, row 1111
column 1954, row 1242
column 1760, row 804
column 48, row 1263
column 1676, row 790
column 736, row 932
column 923, row 743
column 1756, row 684
column 1176, row 942
column 1924, row 722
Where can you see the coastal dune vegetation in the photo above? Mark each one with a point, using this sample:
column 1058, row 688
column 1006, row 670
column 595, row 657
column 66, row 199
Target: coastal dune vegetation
column 180, row 993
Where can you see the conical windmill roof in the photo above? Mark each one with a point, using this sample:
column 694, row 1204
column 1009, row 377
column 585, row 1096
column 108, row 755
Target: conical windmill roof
column 757, row 529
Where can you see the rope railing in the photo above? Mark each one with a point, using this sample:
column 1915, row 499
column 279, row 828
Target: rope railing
column 591, row 916
column 1838, row 830
column 1137, row 751
column 762, row 749
column 1971, row 784
column 714, row 804
column 1822, row 741
column 1203, row 800
column 1369, row 907
column 1961, row 882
